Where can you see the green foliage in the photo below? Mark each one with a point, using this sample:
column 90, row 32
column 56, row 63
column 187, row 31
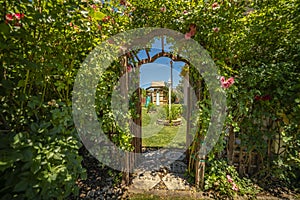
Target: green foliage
column 176, row 112
column 115, row 125
column 41, row 162
column 221, row 177
column 257, row 42
column 286, row 167
column 151, row 107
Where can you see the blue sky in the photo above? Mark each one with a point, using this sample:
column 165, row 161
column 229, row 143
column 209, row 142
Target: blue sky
column 160, row 69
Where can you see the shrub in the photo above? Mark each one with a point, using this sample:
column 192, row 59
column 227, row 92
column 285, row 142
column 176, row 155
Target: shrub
column 41, row 161
column 224, row 179
column 176, row 111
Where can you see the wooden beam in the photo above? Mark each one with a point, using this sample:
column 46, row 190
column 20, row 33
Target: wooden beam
column 136, row 56
column 124, row 92
column 162, row 54
column 148, row 55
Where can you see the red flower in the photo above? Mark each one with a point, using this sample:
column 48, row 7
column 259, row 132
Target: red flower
column 129, row 68
column 266, row 97
column 216, row 29
column 163, row 9
column 263, row 98
column 192, row 31
column 123, row 2
column 9, row 17
column 215, row 6
column 257, row 98
column 226, row 83
column 19, row 16
column 106, row 19
column 15, row 16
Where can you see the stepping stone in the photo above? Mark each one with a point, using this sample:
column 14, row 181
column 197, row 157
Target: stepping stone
column 175, row 182
column 146, row 181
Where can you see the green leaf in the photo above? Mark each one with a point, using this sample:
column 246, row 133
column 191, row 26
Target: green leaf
column 4, row 28
column 97, row 15
column 21, row 186
column 27, row 154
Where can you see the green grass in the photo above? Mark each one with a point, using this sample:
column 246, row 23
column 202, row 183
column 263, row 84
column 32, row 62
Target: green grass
column 155, row 135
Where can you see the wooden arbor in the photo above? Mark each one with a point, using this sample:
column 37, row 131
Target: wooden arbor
column 135, row 127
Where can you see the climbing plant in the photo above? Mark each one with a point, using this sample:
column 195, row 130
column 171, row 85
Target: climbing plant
column 43, row 44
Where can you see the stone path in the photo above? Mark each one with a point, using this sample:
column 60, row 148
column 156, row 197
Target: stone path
column 161, row 169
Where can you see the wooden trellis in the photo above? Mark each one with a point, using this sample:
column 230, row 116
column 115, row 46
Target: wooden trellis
column 249, row 161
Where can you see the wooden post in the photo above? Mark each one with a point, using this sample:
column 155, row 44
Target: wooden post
column 188, row 103
column 124, row 92
column 250, row 163
column 136, row 127
column 200, row 166
column 241, row 161
column 231, row 141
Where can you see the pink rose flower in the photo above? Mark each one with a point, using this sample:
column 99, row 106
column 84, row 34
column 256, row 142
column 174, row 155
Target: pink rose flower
column 226, row 83
column 94, row 7
column 188, row 36
column 19, row 16
column 234, row 187
column 230, row 180
column 215, row 6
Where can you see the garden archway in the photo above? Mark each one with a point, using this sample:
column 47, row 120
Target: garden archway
column 136, row 124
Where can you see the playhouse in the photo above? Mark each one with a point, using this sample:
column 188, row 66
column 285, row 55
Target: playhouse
column 158, row 93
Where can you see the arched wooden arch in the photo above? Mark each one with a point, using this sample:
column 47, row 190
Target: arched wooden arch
column 136, row 130
column 156, row 56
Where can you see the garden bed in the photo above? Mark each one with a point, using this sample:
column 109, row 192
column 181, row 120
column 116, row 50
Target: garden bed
column 175, row 122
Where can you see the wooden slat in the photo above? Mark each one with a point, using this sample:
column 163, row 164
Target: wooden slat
column 161, row 54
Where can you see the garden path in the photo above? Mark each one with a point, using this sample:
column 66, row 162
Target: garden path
column 161, row 169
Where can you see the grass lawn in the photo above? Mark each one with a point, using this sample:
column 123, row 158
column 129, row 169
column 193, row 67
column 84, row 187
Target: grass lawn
column 155, row 135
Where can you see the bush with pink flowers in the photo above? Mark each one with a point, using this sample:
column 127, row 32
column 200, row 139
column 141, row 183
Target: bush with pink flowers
column 224, row 181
